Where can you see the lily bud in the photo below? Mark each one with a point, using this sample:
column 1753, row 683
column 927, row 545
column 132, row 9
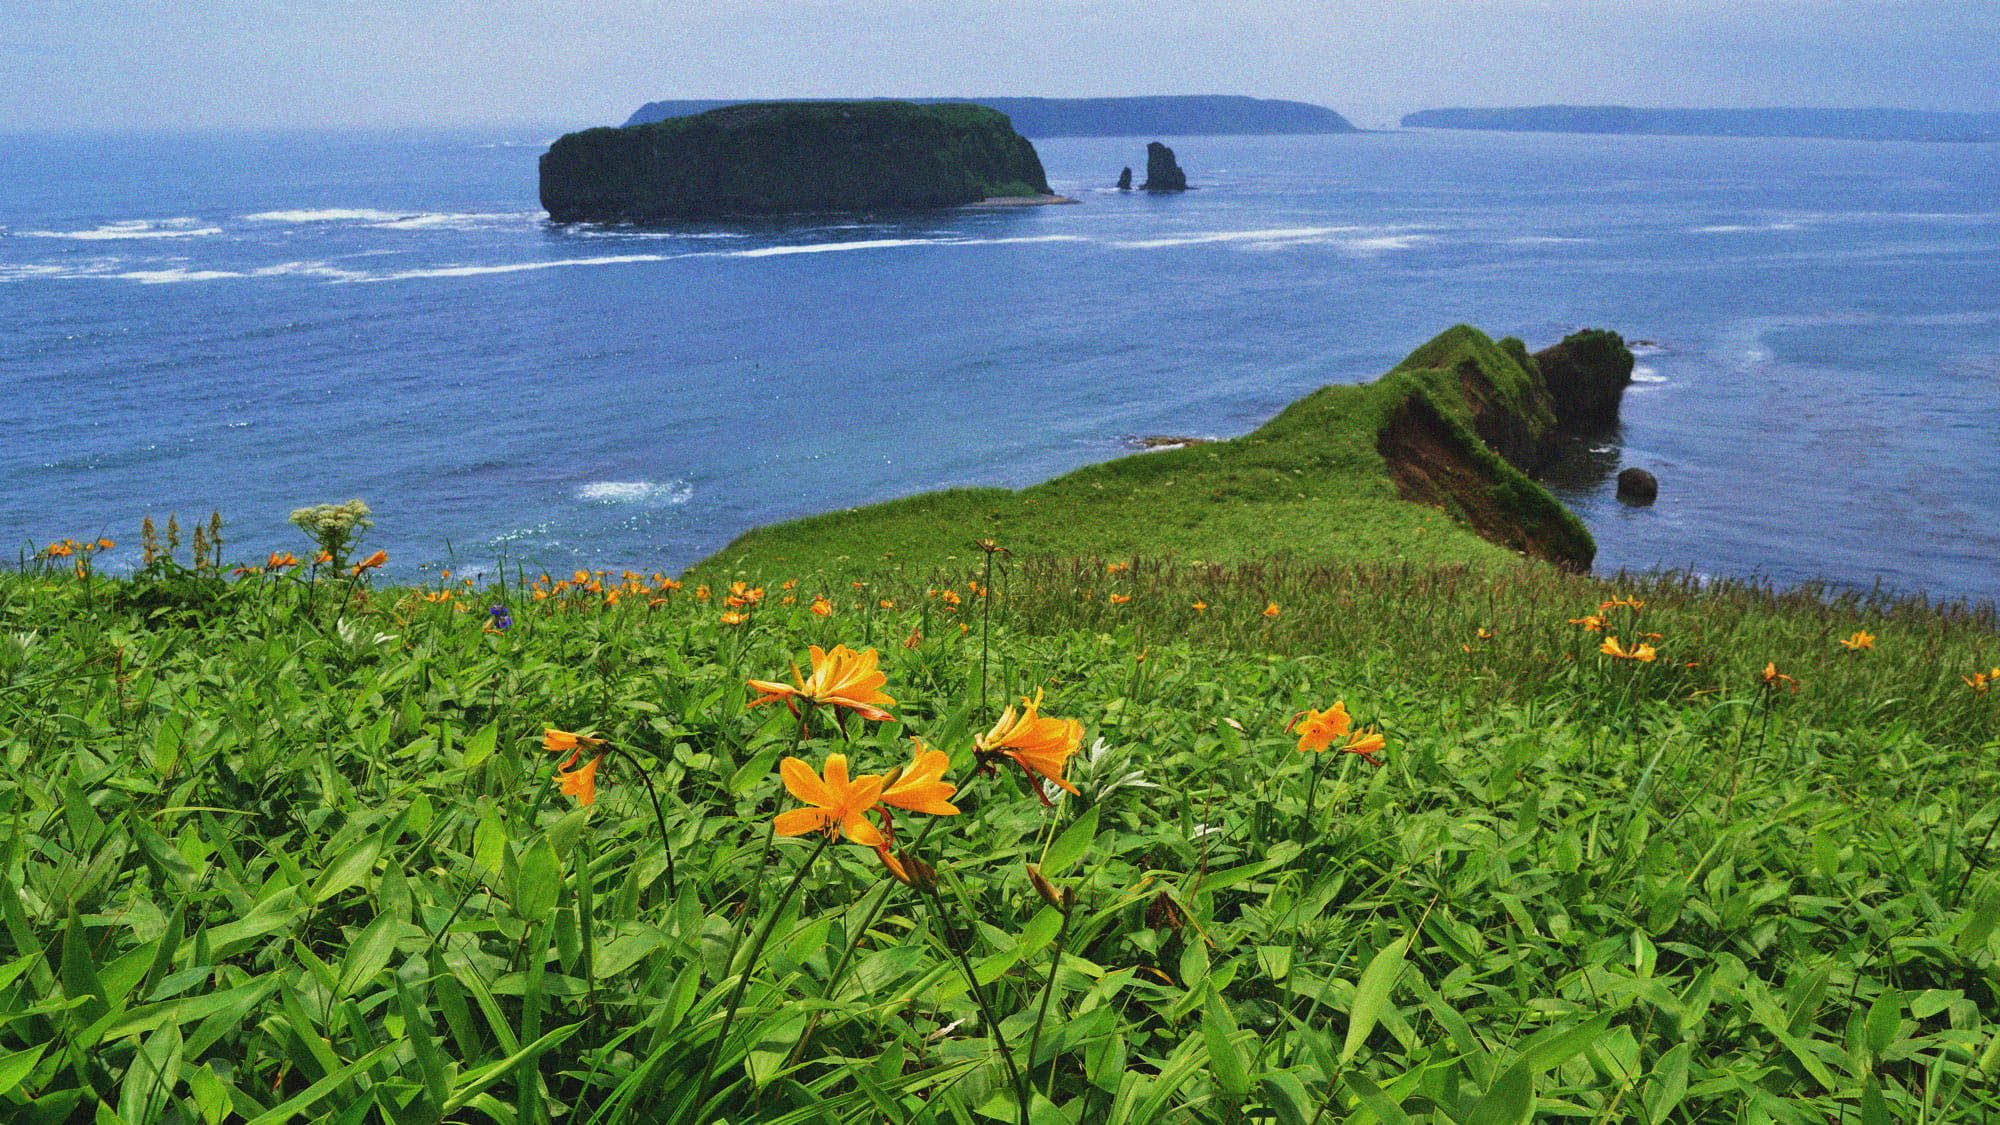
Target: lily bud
column 1061, row 900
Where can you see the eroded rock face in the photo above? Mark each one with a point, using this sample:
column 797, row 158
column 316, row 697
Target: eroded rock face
column 1162, row 173
column 790, row 157
column 1125, row 180
column 1473, row 419
column 1586, row 375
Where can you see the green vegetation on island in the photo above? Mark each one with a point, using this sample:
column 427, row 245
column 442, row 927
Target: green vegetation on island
column 1846, row 124
column 1422, row 464
column 789, row 157
column 1151, row 116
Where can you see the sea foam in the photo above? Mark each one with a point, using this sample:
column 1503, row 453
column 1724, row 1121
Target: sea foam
column 644, row 492
column 132, row 228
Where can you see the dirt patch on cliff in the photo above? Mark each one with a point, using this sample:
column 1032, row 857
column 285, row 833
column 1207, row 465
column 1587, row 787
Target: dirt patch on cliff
column 1430, row 464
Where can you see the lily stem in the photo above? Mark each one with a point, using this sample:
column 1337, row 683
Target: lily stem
column 1014, row 1072
column 743, row 978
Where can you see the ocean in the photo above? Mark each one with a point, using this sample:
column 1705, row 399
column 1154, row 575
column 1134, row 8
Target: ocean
column 251, row 323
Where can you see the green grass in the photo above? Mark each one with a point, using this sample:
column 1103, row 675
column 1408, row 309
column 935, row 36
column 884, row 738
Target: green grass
column 277, row 850
column 1310, row 483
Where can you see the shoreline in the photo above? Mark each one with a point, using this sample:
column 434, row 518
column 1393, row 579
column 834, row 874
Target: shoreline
column 1022, row 201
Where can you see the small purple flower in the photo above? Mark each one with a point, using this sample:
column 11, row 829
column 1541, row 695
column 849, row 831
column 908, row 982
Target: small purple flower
column 502, row 620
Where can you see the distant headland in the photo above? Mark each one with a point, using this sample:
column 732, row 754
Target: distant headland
column 1831, row 124
column 776, row 158
column 1166, row 115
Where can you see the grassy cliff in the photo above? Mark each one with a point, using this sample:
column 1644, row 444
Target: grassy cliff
column 781, row 158
column 1408, row 467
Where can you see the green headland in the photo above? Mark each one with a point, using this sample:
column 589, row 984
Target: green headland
column 1413, row 466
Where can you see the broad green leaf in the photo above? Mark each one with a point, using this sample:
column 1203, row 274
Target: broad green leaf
column 479, row 747
column 369, row 954
column 1381, row 1104
column 1509, row 1101
column 325, row 1087
column 1371, row 994
column 353, row 866
column 537, row 882
column 1218, row 1031
column 17, row 1065
column 1669, row 1084
column 1885, row 1015
column 1071, row 845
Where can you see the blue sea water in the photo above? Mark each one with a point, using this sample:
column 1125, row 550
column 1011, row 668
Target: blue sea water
column 256, row 322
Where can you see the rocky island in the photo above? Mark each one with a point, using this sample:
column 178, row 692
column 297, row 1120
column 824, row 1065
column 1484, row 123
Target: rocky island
column 776, row 158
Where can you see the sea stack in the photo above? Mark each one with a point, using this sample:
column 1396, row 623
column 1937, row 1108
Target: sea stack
column 1125, row 180
column 1586, row 375
column 1162, row 173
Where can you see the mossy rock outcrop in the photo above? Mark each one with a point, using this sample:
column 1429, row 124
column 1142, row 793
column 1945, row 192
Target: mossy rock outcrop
column 1420, row 465
column 790, row 157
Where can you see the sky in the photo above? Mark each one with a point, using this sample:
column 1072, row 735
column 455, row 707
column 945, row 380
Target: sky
column 153, row 64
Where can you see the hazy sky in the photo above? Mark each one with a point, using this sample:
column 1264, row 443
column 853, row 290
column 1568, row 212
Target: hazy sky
column 273, row 63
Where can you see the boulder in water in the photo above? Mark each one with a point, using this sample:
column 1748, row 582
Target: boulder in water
column 1637, row 486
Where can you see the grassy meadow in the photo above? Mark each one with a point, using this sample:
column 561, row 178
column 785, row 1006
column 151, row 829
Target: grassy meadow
column 293, row 844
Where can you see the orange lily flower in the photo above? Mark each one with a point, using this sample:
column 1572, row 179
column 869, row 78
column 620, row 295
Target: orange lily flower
column 1318, row 729
column 1591, row 622
column 840, row 678
column 1642, row 653
column 822, row 608
column 1271, row 610
column 1200, row 606
column 1770, row 677
column 1633, row 604
column 1119, row 599
column 580, row 783
column 1858, row 641
column 1040, row 746
column 371, row 562
column 1365, row 743
column 837, row 803
column 731, row 617
column 557, row 741
column 920, row 786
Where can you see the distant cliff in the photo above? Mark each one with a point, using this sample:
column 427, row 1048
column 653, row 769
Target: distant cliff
column 1842, row 124
column 1190, row 115
column 789, row 157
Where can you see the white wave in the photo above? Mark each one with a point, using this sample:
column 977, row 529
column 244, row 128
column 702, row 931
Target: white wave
column 1384, row 242
column 1746, row 228
column 1641, row 373
column 635, row 492
column 329, row 215
column 35, row 271
column 516, row 267
column 1546, row 240
column 132, row 228
column 1281, row 234
column 395, row 220
column 455, row 220
column 311, row 269
column 830, row 247
column 176, row 274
